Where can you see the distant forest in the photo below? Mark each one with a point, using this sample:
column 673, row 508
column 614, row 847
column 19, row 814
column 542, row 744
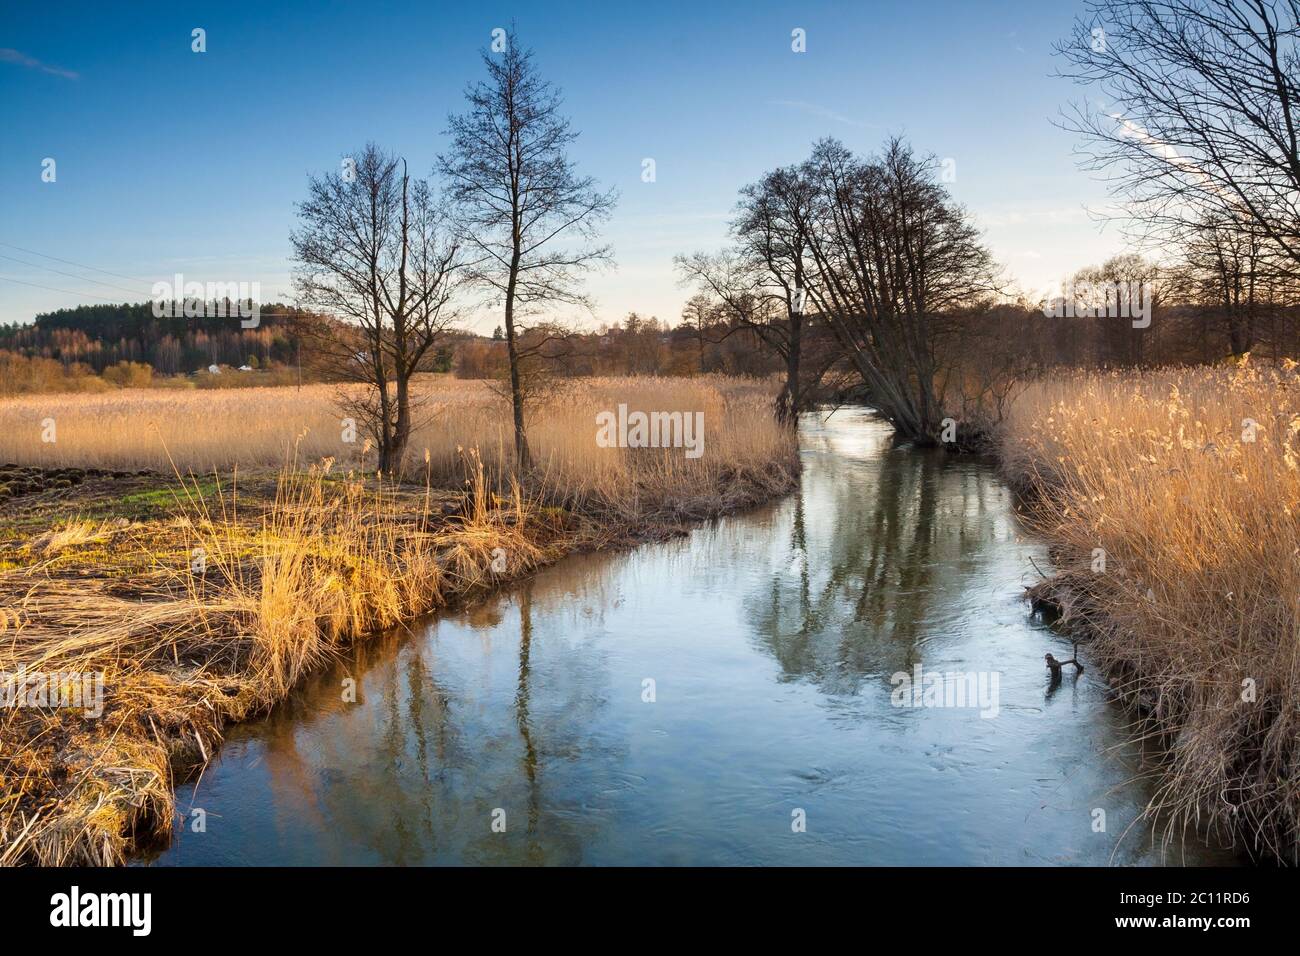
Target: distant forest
column 101, row 336
column 114, row 340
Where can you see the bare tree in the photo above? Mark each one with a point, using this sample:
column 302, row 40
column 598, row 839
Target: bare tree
column 518, row 195
column 373, row 253
column 896, row 266
column 772, row 229
column 761, row 284
column 1200, row 121
column 745, row 300
column 698, row 314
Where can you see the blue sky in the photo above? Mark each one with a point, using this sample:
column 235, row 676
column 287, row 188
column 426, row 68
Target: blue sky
column 172, row 161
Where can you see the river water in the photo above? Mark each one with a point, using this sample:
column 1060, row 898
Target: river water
column 724, row 698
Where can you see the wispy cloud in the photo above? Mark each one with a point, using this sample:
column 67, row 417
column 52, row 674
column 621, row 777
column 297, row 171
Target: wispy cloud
column 822, row 112
column 1168, row 154
column 22, row 59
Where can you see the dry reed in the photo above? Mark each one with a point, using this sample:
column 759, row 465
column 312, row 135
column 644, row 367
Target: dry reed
column 217, row 640
column 1173, row 498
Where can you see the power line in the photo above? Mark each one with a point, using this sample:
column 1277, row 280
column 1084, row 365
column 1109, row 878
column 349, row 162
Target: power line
column 69, row 262
column 70, row 275
column 49, row 288
column 148, row 297
column 82, row 265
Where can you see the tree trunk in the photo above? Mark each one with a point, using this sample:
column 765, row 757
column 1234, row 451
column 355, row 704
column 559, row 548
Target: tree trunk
column 384, row 430
column 522, row 455
column 401, row 434
column 787, row 403
column 1239, row 330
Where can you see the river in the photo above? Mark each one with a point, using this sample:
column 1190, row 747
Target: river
column 727, row 697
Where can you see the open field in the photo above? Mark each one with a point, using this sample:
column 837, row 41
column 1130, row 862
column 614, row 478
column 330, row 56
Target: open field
column 203, row 431
column 1173, row 498
column 204, row 599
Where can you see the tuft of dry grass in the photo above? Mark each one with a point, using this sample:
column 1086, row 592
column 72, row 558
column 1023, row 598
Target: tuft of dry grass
column 241, row 597
column 74, row 533
column 1173, row 497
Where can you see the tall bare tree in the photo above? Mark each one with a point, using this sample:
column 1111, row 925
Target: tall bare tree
column 374, row 254
column 772, row 229
column 1199, row 121
column 518, row 197
column 762, row 283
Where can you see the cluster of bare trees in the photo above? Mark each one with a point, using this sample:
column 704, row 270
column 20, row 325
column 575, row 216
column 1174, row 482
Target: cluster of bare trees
column 841, row 267
column 874, row 252
column 1197, row 131
column 387, row 259
column 1214, row 300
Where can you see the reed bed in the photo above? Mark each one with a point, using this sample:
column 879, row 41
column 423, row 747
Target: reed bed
column 1173, row 499
column 213, row 612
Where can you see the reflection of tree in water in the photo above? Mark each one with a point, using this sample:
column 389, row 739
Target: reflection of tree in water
column 329, row 761
column 874, row 545
column 521, row 704
column 413, row 773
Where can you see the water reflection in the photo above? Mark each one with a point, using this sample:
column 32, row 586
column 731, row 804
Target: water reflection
column 769, row 640
column 895, row 534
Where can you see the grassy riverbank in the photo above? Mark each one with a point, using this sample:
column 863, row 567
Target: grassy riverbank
column 204, row 600
column 1173, row 501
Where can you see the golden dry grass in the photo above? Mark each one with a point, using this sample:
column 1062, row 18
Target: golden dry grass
column 285, row 584
column 189, row 650
column 1174, row 499
column 260, row 428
